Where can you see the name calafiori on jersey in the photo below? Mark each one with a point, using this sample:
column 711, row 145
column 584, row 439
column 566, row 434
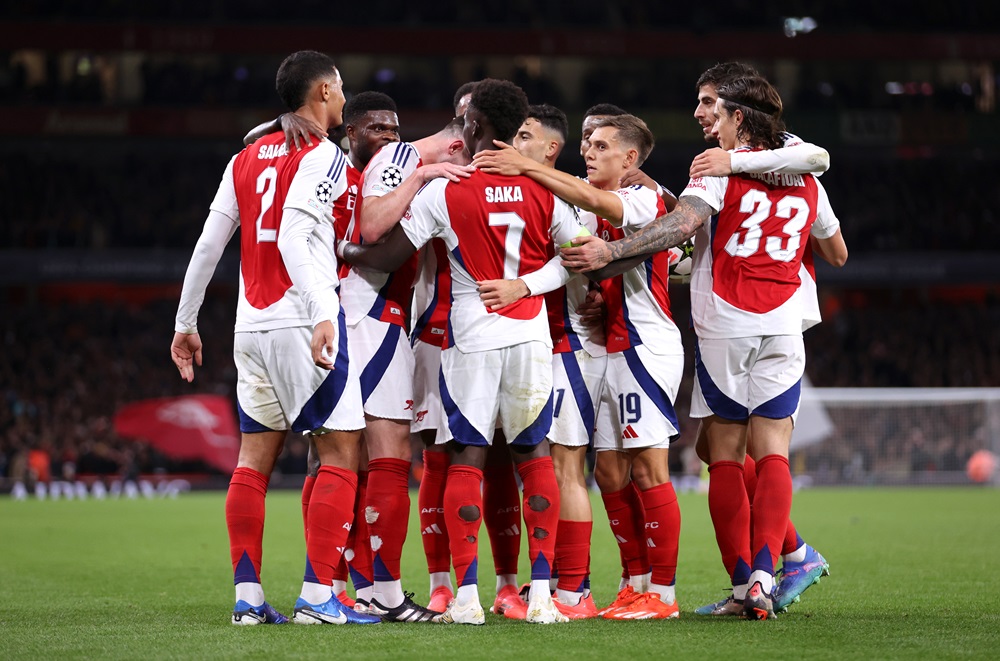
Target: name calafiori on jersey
column 504, row 194
column 778, row 178
column 267, row 152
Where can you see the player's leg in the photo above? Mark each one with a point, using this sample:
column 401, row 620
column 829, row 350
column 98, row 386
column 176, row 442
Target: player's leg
column 428, row 418
column 359, row 548
column 720, row 385
column 577, row 384
column 341, row 573
column 263, row 426
column 774, row 392
column 526, row 413
column 502, row 517
column 469, row 384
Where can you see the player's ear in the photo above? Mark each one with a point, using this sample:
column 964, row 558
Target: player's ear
column 631, row 157
column 455, row 146
column 552, row 149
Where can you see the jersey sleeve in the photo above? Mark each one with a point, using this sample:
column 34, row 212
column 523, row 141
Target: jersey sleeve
column 320, row 180
column 712, row 190
column 389, row 168
column 427, row 216
column 827, row 223
column 225, row 197
column 794, row 158
column 566, row 224
column 640, row 206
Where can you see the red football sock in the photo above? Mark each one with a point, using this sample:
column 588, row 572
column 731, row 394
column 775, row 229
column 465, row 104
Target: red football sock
column 360, row 563
column 750, row 477
column 573, row 554
column 792, row 540
column 389, row 509
column 502, row 513
column 663, row 531
column 624, row 508
column 430, row 499
column 307, row 489
column 463, row 495
column 730, row 510
column 331, row 510
column 245, row 521
column 541, row 514
column 773, row 505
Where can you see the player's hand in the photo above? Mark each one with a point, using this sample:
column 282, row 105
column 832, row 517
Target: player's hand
column 587, row 253
column 497, row 294
column 298, row 128
column 185, row 351
column 636, row 177
column 449, row 171
column 713, row 162
column 592, row 312
column 504, row 160
column 322, row 345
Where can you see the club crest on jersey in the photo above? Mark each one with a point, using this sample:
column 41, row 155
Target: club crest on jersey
column 392, row 176
column 504, row 194
column 324, row 191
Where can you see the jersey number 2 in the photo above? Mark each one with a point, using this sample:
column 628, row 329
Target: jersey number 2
column 757, row 204
column 265, row 188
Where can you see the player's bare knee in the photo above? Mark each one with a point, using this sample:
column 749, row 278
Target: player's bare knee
column 469, row 513
column 538, row 504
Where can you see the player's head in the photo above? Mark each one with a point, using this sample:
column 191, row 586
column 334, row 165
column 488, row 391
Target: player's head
column 542, row 136
column 748, row 112
column 497, row 109
column 618, row 144
column 371, row 123
column 462, row 96
column 591, row 117
column 447, row 145
column 309, row 77
column 706, row 87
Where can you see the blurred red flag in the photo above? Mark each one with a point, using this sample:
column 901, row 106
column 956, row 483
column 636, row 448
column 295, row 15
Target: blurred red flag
column 197, row 427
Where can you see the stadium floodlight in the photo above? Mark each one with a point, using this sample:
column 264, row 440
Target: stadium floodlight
column 795, row 26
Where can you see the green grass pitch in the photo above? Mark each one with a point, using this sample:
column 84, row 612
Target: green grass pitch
column 915, row 575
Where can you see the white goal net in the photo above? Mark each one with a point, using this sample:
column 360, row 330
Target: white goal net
column 893, row 435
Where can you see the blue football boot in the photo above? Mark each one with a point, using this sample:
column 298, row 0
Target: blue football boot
column 246, row 615
column 796, row 577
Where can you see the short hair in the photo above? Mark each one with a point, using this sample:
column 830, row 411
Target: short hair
column 503, row 103
column 632, row 131
column 298, row 72
column 466, row 88
column 454, row 127
column 605, row 109
column 724, row 72
column 359, row 104
column 551, row 118
column 761, row 106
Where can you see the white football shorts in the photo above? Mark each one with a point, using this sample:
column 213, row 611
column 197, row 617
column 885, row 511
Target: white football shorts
column 385, row 364
column 428, row 412
column 514, row 383
column 577, row 385
column 637, row 406
column 739, row 377
column 279, row 387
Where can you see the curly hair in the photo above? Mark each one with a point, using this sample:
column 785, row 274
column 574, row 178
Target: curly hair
column 724, row 72
column 551, row 118
column 761, row 106
column 298, row 72
column 503, row 103
column 364, row 102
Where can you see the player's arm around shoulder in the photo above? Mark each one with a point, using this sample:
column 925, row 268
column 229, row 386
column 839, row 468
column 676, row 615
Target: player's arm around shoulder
column 826, row 239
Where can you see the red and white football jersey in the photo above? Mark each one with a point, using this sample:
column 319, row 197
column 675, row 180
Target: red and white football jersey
column 493, row 227
column 383, row 296
column 432, row 295
column 568, row 332
column 638, row 300
column 748, row 272
column 259, row 183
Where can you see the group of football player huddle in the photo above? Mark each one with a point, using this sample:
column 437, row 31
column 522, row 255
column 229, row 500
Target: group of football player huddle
column 462, row 288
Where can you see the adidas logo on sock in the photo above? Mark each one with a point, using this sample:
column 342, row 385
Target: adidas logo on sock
column 432, row 530
column 629, row 433
column 513, row 531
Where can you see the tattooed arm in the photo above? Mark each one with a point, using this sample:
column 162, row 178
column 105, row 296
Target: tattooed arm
column 590, row 253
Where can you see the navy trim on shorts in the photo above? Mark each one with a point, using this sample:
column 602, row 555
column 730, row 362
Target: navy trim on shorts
column 651, row 387
column 719, row 403
column 323, row 402
column 782, row 406
column 536, row 432
column 580, row 393
column 247, row 424
column 376, row 368
column 461, row 429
